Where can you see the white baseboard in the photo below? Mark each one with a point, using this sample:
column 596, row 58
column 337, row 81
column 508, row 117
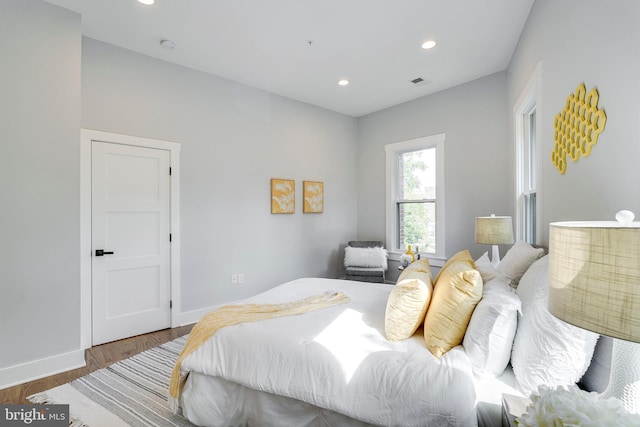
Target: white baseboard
column 189, row 317
column 34, row 370
column 30, row 371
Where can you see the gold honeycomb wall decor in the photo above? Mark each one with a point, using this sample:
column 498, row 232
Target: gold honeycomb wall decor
column 577, row 127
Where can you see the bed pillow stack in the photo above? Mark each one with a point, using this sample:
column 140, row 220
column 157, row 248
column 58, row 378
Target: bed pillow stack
column 544, row 350
column 491, row 332
column 408, row 301
column 469, row 303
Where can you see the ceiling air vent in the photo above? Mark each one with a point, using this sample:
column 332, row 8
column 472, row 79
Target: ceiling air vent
column 419, row 81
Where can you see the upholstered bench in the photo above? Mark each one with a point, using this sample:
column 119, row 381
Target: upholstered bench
column 363, row 274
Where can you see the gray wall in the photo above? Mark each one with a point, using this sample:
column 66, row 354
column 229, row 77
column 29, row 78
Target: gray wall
column 598, row 43
column 474, row 118
column 234, row 139
column 39, row 181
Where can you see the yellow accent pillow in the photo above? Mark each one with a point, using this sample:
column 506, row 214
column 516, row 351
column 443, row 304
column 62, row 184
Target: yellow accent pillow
column 421, row 265
column 407, row 304
column 455, row 296
column 463, row 255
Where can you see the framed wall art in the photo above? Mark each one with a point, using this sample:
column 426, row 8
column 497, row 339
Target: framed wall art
column 313, row 196
column 283, row 196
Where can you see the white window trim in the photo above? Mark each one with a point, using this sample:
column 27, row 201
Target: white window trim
column 530, row 96
column 392, row 151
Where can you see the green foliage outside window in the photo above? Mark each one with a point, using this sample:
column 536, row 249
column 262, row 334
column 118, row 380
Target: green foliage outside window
column 416, row 203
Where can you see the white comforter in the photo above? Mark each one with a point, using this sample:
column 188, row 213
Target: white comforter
column 335, row 358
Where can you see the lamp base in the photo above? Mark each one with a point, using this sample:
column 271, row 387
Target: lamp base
column 624, row 377
column 495, row 256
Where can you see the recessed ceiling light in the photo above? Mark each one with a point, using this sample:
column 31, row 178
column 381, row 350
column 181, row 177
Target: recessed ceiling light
column 147, row 2
column 167, row 44
column 429, row 44
column 343, row 82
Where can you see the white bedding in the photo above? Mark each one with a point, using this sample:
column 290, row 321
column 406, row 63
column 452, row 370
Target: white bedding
column 333, row 366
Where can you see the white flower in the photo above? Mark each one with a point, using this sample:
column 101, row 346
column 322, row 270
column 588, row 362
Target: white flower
column 405, row 260
column 570, row 406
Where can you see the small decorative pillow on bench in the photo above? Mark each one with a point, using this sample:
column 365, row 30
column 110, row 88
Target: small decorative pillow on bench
column 365, row 257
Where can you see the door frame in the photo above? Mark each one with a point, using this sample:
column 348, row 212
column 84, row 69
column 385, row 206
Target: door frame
column 86, row 136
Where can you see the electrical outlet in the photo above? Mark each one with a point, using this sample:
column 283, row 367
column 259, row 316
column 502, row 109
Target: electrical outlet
column 240, row 277
column 234, row 278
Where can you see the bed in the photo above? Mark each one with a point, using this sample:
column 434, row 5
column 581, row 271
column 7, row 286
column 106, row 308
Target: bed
column 335, row 367
column 336, row 359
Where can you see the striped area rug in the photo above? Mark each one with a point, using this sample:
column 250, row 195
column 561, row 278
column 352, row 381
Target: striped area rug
column 132, row 392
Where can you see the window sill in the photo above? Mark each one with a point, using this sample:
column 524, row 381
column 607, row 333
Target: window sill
column 434, row 261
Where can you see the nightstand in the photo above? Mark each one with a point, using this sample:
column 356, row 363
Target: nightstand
column 512, row 408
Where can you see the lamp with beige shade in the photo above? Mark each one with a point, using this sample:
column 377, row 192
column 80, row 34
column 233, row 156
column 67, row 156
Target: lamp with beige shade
column 594, row 269
column 494, row 230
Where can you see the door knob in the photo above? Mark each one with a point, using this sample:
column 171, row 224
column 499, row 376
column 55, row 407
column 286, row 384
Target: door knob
column 101, row 252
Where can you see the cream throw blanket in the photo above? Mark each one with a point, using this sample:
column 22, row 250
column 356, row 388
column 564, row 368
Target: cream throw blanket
column 234, row 314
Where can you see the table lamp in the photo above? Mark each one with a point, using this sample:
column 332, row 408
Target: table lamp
column 494, row 230
column 594, row 283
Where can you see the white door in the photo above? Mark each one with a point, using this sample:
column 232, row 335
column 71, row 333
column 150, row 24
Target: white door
column 130, row 233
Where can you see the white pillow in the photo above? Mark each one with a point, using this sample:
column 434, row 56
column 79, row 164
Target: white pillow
column 486, row 269
column 517, row 260
column 492, row 327
column 365, row 257
column 546, row 350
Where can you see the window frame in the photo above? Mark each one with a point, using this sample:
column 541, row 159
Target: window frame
column 392, row 151
column 526, row 168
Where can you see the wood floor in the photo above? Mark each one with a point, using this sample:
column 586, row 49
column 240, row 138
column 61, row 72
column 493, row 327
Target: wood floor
column 96, row 357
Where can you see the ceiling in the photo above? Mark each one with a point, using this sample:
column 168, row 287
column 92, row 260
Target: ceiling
column 301, row 48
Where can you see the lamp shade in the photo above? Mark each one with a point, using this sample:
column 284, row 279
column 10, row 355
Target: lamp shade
column 494, row 230
column 594, row 276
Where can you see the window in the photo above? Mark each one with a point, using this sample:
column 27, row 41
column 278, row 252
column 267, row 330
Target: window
column 529, row 188
column 415, row 196
column 527, row 201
